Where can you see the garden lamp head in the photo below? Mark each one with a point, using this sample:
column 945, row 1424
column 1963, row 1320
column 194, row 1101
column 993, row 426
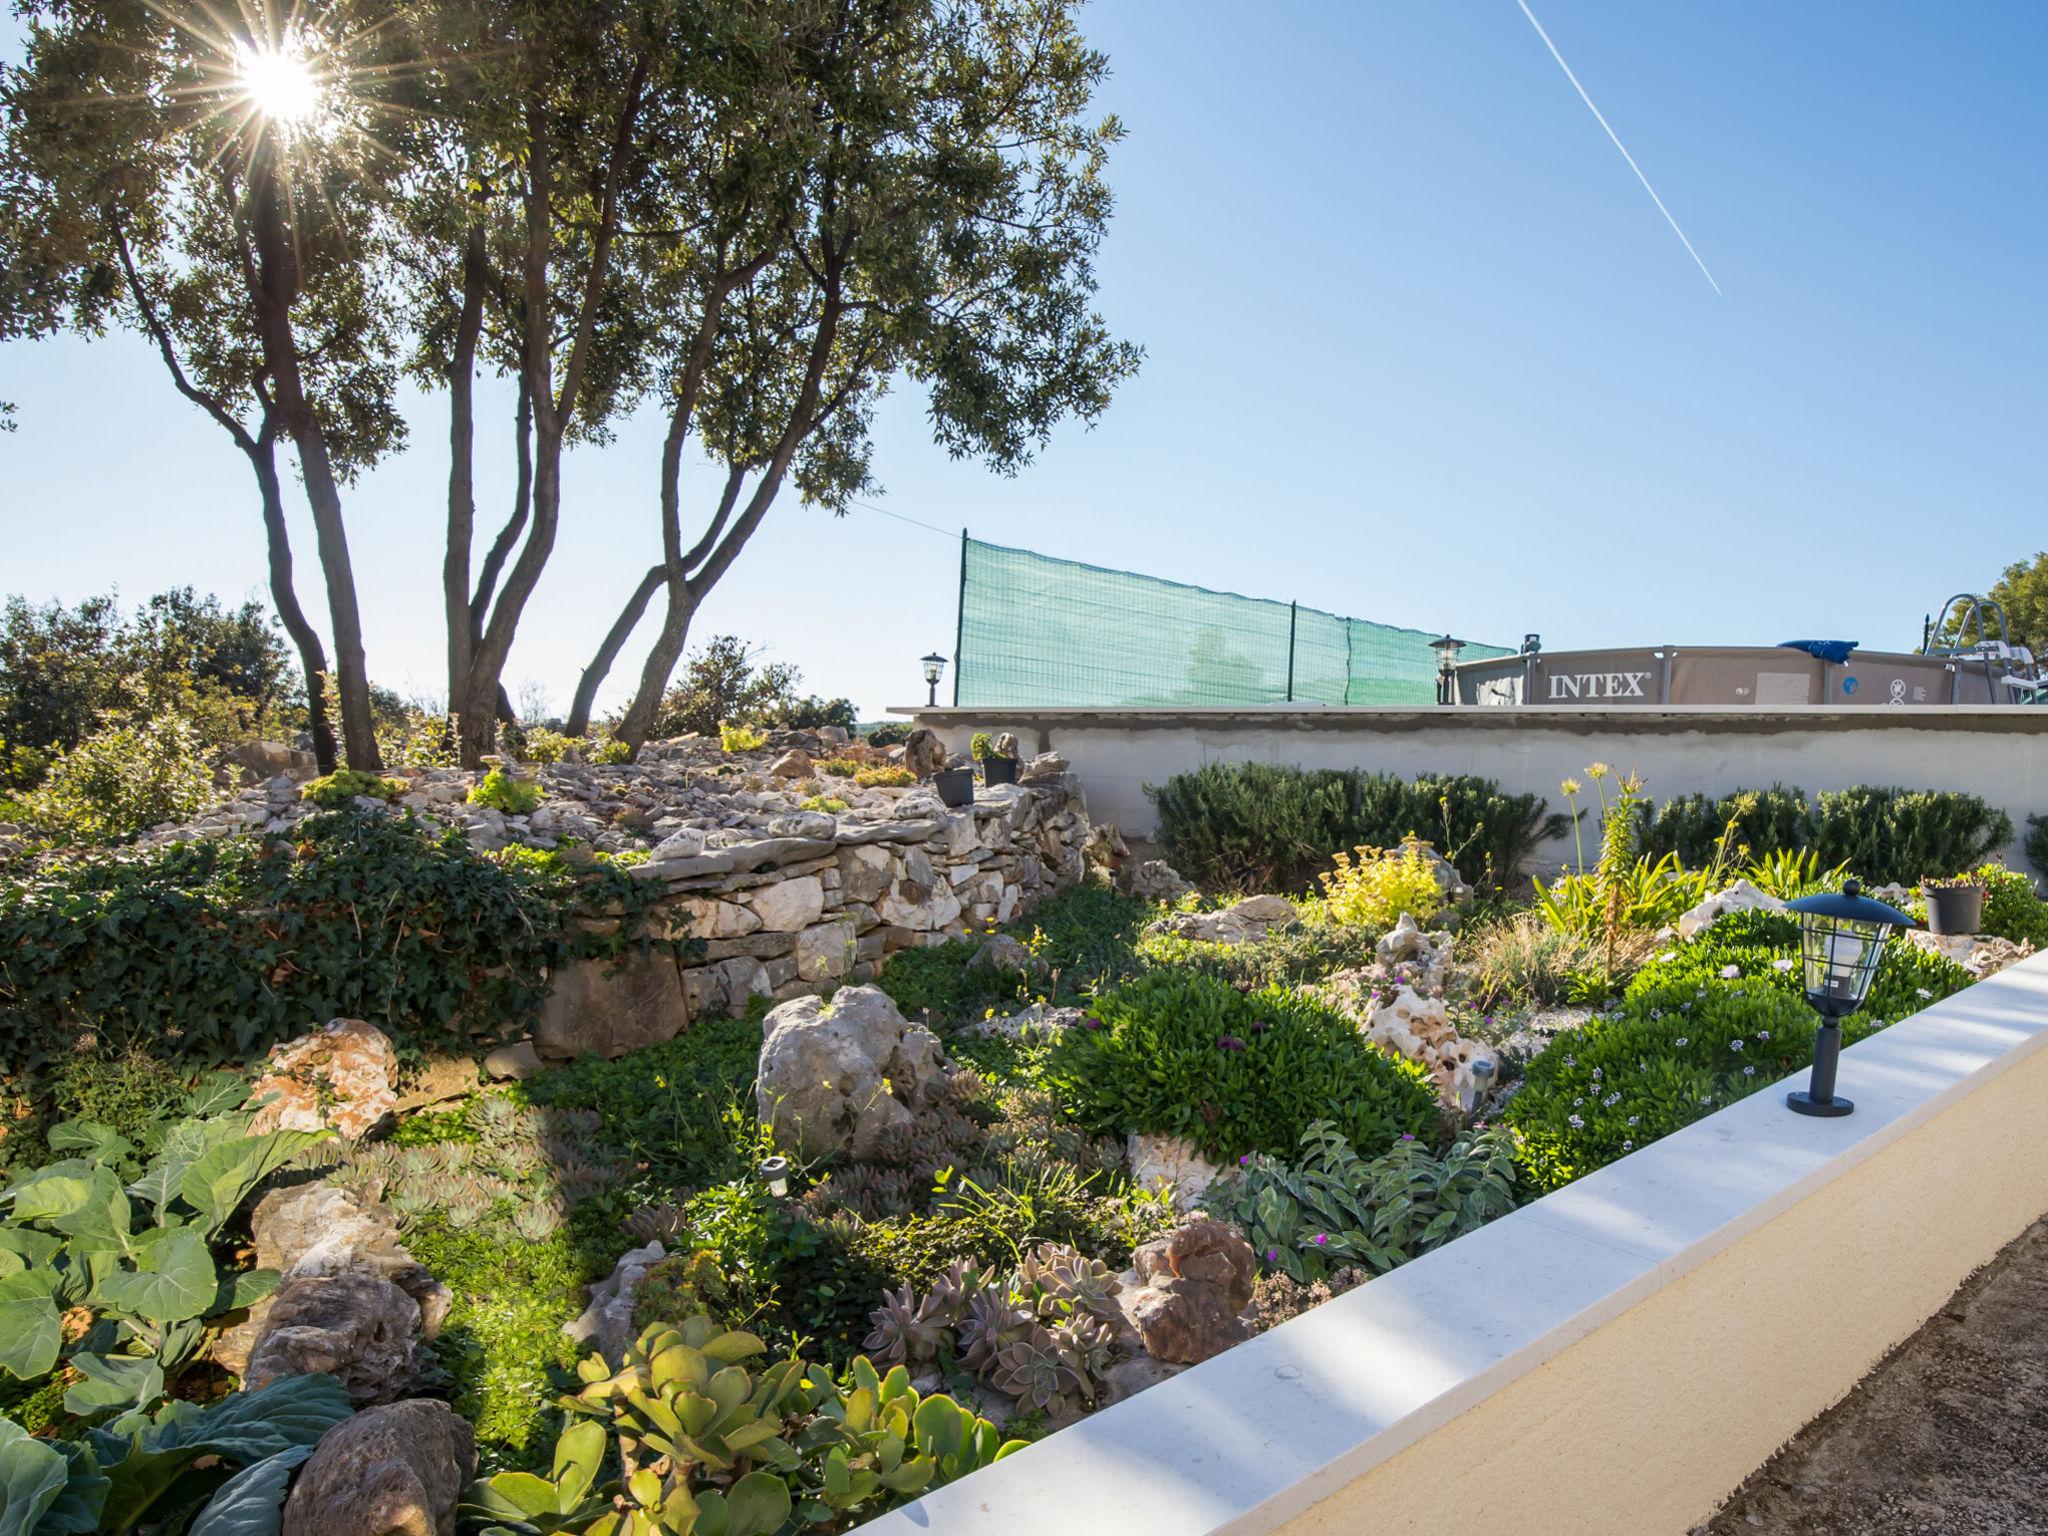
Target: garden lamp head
column 1447, row 651
column 1842, row 935
column 774, row 1173
column 934, row 667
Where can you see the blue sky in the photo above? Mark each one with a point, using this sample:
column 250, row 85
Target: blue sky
column 1420, row 349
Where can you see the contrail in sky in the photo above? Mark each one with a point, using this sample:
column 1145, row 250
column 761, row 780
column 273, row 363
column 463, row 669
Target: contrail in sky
column 1631, row 159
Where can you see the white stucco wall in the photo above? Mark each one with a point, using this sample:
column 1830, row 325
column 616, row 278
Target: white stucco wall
column 2000, row 754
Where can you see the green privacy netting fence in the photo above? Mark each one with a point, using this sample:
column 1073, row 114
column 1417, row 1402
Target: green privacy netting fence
column 1039, row 631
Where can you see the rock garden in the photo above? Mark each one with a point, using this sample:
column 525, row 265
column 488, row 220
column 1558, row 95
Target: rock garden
column 745, row 1139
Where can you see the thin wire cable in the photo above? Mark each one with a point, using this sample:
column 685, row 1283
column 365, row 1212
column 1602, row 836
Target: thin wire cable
column 948, row 533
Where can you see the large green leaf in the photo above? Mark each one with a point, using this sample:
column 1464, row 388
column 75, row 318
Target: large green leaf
column 220, row 1180
column 100, row 1221
column 244, row 1290
column 30, row 1336
column 52, row 1191
column 251, row 1503
column 32, row 1475
column 77, row 1510
column 112, row 1383
column 182, row 1145
column 100, row 1143
column 242, row 1428
column 33, row 1246
column 757, row 1505
column 177, row 1280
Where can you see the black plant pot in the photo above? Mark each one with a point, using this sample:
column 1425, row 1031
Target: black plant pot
column 999, row 770
column 1954, row 910
column 955, row 786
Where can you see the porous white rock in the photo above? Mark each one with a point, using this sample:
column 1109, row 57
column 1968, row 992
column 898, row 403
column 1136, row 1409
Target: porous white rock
column 1742, row 896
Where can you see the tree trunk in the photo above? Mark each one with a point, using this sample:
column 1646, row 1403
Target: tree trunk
column 608, row 652
column 312, row 655
column 278, row 284
column 455, row 598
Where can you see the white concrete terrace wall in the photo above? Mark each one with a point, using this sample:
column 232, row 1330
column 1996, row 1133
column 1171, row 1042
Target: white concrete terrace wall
column 1610, row 1360
column 2000, row 754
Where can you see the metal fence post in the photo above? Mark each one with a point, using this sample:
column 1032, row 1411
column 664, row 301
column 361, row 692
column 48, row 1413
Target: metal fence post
column 1293, row 612
column 960, row 622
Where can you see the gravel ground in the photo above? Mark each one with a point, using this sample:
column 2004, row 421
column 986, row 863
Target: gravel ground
column 1947, row 1437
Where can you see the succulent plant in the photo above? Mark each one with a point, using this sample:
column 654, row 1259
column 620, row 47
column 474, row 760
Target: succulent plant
column 464, row 1214
column 954, row 1289
column 1089, row 1347
column 759, row 1446
column 538, row 1220
column 661, row 1221
column 904, row 1332
column 1035, row 1370
column 1062, row 1280
column 993, row 1320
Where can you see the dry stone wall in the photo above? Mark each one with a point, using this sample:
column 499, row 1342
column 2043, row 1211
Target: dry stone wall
column 826, row 899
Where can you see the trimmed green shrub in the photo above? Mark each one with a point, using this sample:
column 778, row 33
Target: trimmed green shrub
column 1269, row 827
column 1183, row 1055
column 217, row 949
column 2037, row 842
column 1766, row 822
column 1904, row 835
column 1883, row 835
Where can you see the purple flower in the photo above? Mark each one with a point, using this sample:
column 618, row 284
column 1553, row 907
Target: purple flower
column 1322, row 1239
column 1245, row 1161
column 1407, row 1135
column 1272, row 1255
column 1092, row 1022
column 1229, row 1043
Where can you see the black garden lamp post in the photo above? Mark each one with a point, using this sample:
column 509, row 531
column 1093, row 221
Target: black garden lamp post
column 1842, row 936
column 934, row 668
column 1447, row 650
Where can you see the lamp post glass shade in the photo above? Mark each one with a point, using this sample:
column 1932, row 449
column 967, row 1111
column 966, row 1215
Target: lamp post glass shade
column 1842, row 936
column 934, row 669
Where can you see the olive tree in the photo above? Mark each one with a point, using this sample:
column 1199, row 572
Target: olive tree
column 917, row 196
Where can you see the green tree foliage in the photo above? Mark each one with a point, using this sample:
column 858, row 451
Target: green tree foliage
column 68, row 672
column 2022, row 591
column 726, row 683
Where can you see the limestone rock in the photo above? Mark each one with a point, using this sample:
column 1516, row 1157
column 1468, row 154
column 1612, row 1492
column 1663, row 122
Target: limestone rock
column 398, row 1470
column 827, row 951
column 513, row 1062
column 1739, row 897
column 1045, row 766
column 358, row 1328
column 1171, row 1162
column 923, row 753
column 319, row 1230
column 1420, row 1028
column 793, row 764
column 1002, row 952
column 844, row 1077
column 1040, row 1021
column 609, row 1007
column 789, row 905
column 1127, row 1378
column 1240, row 923
column 337, row 1078
column 1154, row 880
column 439, row 1079
column 608, row 1321
column 1448, row 880
column 1980, row 954
column 713, row 919
column 1413, row 956
column 1195, row 1282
